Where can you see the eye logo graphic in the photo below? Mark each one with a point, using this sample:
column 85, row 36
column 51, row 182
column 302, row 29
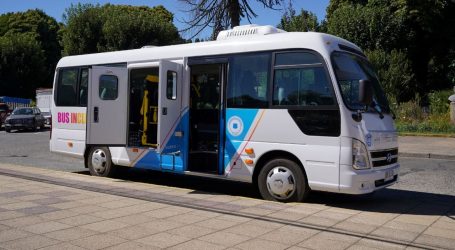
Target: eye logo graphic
column 235, row 126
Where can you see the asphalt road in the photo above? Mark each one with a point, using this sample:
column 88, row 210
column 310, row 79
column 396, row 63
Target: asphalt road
column 417, row 175
column 32, row 149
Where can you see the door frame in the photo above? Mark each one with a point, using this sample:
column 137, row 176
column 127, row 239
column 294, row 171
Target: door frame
column 93, row 111
column 223, row 62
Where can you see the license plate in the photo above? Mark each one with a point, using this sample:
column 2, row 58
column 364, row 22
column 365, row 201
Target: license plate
column 388, row 175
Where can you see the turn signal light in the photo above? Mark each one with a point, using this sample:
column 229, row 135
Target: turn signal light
column 70, row 144
column 249, row 162
column 249, row 151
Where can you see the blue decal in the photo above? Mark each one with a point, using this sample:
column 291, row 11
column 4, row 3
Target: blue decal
column 151, row 160
column 174, row 155
column 239, row 122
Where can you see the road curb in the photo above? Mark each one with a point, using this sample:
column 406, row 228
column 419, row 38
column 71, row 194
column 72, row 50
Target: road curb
column 428, row 155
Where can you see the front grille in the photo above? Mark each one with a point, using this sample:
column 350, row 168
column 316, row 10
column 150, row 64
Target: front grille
column 384, row 157
column 16, row 121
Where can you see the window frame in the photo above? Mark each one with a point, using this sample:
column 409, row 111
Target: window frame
column 322, row 64
column 78, row 85
column 57, row 89
column 269, row 75
column 174, row 95
column 116, row 88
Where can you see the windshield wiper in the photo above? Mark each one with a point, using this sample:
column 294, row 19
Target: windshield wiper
column 377, row 108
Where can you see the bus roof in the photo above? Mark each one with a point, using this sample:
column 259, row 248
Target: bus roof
column 320, row 42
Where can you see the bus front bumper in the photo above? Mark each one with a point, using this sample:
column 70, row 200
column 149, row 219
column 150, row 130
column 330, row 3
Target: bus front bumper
column 367, row 181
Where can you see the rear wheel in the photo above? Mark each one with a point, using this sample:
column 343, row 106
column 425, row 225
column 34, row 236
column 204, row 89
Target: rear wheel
column 282, row 180
column 8, row 130
column 100, row 162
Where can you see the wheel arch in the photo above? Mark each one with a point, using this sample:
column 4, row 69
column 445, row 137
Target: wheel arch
column 274, row 154
column 86, row 152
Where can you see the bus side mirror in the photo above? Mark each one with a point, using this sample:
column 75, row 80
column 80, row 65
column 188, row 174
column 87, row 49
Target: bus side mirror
column 365, row 92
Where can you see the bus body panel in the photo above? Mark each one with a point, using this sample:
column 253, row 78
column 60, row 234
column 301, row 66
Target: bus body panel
column 267, row 130
column 326, row 160
column 68, row 130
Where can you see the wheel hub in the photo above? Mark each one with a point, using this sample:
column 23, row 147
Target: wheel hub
column 281, row 182
column 99, row 160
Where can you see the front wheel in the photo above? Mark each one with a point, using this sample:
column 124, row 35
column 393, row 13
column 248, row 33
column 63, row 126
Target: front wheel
column 282, row 180
column 100, row 162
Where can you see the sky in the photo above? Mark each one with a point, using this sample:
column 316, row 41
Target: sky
column 56, row 8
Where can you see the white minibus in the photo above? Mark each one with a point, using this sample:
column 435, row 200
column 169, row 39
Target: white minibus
column 289, row 112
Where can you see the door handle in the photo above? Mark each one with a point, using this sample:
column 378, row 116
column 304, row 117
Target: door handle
column 164, row 111
column 95, row 114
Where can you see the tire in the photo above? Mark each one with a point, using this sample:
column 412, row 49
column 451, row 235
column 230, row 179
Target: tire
column 282, row 180
column 34, row 127
column 8, row 130
column 99, row 162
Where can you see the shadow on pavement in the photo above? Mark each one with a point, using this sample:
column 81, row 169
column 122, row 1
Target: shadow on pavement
column 384, row 201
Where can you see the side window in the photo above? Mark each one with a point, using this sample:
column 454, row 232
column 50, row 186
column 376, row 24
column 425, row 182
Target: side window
column 301, row 80
column 108, row 88
column 171, row 85
column 67, row 87
column 83, row 91
column 248, row 80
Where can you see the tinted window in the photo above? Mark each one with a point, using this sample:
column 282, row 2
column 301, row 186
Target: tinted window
column 108, row 89
column 23, row 111
column 295, row 58
column 171, row 88
column 83, row 91
column 247, row 82
column 67, row 87
column 308, row 86
column 300, row 79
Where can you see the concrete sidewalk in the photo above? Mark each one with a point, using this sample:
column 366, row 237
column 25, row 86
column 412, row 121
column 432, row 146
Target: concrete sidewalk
column 46, row 209
column 427, row 147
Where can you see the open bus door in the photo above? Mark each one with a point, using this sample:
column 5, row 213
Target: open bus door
column 170, row 135
column 107, row 106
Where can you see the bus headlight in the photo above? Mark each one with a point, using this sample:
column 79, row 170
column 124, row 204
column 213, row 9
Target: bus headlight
column 359, row 155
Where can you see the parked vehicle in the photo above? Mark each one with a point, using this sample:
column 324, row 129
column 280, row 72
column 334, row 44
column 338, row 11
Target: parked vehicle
column 4, row 112
column 288, row 111
column 24, row 118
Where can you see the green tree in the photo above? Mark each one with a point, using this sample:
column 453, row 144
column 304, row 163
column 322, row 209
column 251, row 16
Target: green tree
column 94, row 28
column 394, row 71
column 83, row 29
column 221, row 14
column 303, row 22
column 22, row 32
column 423, row 30
column 22, row 65
column 371, row 26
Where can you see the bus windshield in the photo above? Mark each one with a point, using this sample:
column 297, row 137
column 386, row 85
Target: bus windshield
column 349, row 69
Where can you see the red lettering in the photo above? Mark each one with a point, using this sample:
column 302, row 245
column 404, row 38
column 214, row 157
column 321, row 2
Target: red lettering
column 73, row 117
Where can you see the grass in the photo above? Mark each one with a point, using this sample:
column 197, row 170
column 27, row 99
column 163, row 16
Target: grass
column 412, row 120
column 433, row 124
